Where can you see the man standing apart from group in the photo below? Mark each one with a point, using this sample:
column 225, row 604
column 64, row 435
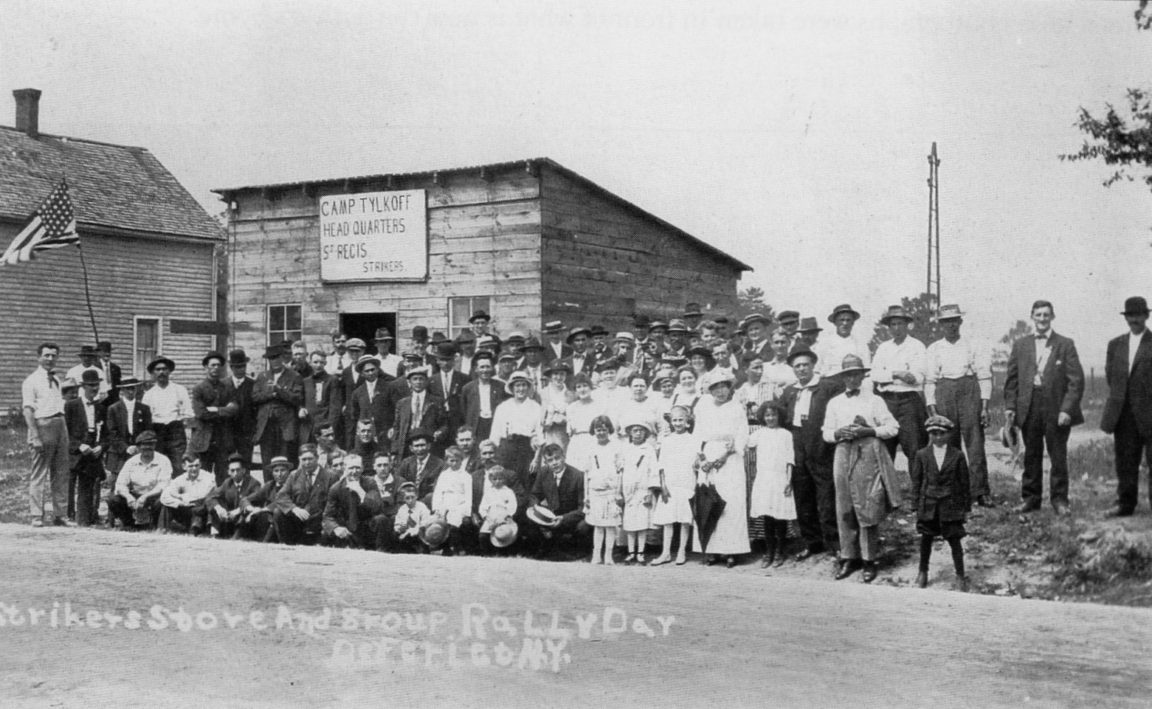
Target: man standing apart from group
column 48, row 439
column 1042, row 396
column 957, row 387
column 1128, row 411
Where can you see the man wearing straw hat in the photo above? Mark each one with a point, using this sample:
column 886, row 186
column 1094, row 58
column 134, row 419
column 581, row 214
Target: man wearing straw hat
column 898, row 371
column 842, row 342
column 856, row 421
column 957, row 386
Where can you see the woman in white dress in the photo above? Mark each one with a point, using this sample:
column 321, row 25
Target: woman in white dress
column 581, row 412
column 722, row 425
column 554, row 400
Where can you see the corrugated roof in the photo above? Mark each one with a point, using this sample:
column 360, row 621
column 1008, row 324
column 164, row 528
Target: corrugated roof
column 114, row 186
column 227, row 192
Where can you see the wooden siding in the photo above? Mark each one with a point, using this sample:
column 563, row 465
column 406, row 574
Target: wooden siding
column 43, row 301
column 483, row 240
column 602, row 263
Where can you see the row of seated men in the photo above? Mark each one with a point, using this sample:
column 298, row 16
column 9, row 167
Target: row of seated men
column 434, row 504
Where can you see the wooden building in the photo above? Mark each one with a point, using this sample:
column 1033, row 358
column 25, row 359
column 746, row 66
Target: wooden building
column 152, row 254
column 527, row 241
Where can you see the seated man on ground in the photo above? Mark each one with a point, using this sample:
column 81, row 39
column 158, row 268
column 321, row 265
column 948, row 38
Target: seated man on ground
column 229, row 509
column 298, row 511
column 556, row 506
column 353, row 504
column 136, row 503
column 182, row 502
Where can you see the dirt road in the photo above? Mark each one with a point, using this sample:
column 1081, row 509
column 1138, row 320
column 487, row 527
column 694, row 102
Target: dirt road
column 358, row 628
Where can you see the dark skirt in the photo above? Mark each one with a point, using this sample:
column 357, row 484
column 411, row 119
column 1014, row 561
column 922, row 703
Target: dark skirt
column 515, row 454
column 935, row 528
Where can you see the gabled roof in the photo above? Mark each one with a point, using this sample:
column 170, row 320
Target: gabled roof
column 226, row 193
column 112, row 186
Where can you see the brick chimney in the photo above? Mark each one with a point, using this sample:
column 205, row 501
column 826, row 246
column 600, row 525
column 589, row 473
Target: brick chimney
column 28, row 111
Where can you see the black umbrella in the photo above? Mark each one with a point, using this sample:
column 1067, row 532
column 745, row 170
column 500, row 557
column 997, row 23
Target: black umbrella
column 707, row 506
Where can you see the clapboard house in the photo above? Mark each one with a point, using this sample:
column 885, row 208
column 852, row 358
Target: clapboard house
column 152, row 254
column 527, row 241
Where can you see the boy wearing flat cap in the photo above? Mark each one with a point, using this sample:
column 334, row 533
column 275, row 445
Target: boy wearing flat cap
column 941, row 495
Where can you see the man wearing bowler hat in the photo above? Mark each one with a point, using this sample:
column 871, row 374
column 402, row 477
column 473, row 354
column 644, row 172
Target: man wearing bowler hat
column 842, row 342
column 215, row 410
column 171, row 408
column 87, row 440
column 1128, row 410
column 278, row 395
column 957, row 386
column 898, row 372
column 244, row 422
column 1042, row 395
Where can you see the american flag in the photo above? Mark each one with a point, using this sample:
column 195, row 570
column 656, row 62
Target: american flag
column 51, row 226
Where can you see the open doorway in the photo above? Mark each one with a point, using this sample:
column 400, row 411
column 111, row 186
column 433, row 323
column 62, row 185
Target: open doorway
column 364, row 326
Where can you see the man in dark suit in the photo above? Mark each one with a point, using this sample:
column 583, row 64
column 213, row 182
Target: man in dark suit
column 317, row 398
column 353, row 503
column 555, row 347
column 244, row 422
column 448, row 385
column 111, row 370
column 582, row 360
column 481, row 397
column 215, row 411
column 756, row 327
column 278, row 395
column 340, row 409
column 395, row 390
column 421, row 468
column 368, row 402
column 298, row 511
column 419, row 410
column 1128, row 411
column 229, row 504
column 560, row 488
column 805, row 403
column 1042, row 395
column 126, row 418
column 84, row 418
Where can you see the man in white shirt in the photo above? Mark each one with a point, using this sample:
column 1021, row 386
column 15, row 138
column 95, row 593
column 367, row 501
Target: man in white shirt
column 481, row 397
column 856, row 421
column 90, row 359
column 898, row 371
column 171, row 408
column 957, row 386
column 843, row 342
column 340, row 357
column 389, row 362
column 555, row 348
column 182, row 502
column 48, row 438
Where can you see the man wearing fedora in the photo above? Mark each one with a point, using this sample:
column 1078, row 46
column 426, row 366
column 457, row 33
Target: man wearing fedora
column 756, row 329
column 692, row 315
column 1128, row 410
column 171, row 408
column 582, row 360
column 1042, row 395
column 805, row 404
column 480, row 322
column 533, row 362
column 215, row 411
column 278, row 395
column 419, row 410
column 298, row 510
column 808, row 333
column 244, row 422
column 898, row 372
column 676, row 344
column 957, row 386
column 843, row 341
column 127, row 417
column 389, row 362
column 87, row 434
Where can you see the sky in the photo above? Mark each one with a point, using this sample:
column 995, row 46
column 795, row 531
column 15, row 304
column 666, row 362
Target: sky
column 793, row 136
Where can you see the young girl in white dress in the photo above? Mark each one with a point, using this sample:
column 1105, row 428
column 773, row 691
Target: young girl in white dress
column 639, row 463
column 772, row 491
column 602, row 493
column 677, row 478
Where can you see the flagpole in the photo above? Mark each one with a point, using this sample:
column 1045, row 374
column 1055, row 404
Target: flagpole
column 88, row 295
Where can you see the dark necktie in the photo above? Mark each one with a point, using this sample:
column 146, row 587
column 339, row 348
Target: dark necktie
column 52, row 380
column 851, row 394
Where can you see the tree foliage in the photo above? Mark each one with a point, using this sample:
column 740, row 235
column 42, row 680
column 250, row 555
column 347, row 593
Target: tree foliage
column 1020, row 329
column 751, row 300
column 924, row 327
column 1122, row 137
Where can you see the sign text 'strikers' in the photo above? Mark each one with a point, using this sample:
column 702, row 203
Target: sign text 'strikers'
column 374, row 236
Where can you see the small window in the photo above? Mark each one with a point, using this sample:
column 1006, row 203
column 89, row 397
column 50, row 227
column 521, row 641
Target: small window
column 146, row 339
column 460, row 309
column 283, row 324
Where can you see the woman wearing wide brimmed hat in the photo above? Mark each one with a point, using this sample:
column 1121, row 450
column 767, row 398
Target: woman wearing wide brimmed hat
column 555, row 398
column 517, row 427
column 722, row 426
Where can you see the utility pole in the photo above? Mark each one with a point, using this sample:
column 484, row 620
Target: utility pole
column 933, row 288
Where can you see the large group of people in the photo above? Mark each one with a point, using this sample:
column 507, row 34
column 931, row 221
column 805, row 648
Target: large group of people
column 691, row 434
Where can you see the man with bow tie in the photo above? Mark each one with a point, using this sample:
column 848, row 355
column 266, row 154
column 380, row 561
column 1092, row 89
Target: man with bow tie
column 1042, row 396
column 43, row 408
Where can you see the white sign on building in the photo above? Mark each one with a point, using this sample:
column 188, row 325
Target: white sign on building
column 374, row 236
